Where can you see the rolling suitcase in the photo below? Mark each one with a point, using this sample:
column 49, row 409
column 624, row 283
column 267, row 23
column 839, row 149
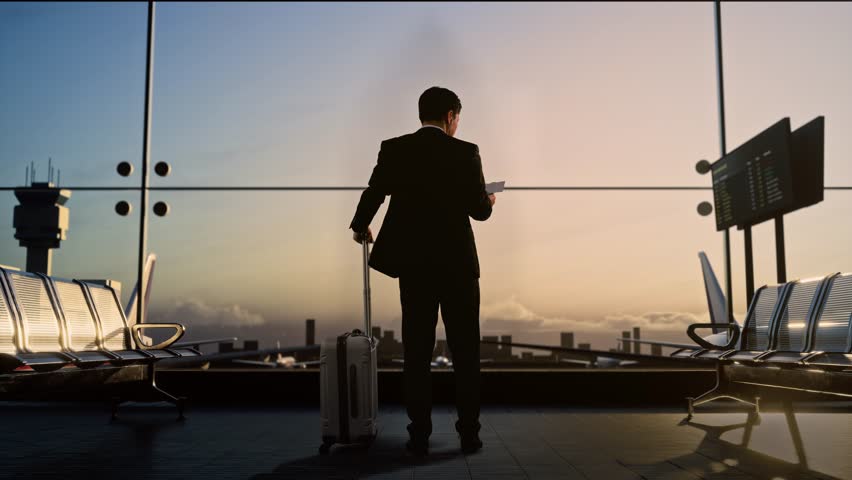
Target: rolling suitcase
column 348, row 391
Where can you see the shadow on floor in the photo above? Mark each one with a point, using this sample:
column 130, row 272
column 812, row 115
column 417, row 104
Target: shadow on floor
column 129, row 446
column 718, row 458
column 385, row 457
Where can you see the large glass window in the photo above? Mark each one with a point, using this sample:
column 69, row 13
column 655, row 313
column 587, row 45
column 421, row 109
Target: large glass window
column 790, row 60
column 99, row 243
column 554, row 93
column 301, row 94
column 257, row 265
column 73, row 83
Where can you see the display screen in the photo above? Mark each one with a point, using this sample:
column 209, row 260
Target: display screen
column 808, row 146
column 753, row 183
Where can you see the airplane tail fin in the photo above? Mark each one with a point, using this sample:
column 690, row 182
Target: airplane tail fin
column 148, row 278
column 715, row 298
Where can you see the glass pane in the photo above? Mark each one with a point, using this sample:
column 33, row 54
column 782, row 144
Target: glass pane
column 257, row 265
column 73, row 77
column 100, row 244
column 788, row 60
column 816, row 244
column 554, row 93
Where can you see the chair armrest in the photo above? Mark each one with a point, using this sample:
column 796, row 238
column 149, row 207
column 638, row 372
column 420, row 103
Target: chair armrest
column 733, row 327
column 136, row 329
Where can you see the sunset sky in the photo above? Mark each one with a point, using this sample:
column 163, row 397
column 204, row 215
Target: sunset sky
column 573, row 94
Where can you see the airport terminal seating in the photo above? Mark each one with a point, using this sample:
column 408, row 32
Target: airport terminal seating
column 796, row 336
column 59, row 335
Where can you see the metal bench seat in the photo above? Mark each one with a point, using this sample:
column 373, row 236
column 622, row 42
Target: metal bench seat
column 91, row 358
column 186, row 351
column 122, row 340
column 790, row 329
column 743, row 355
column 45, row 361
column 831, row 337
column 12, row 357
column 49, row 323
column 686, row 352
column 31, row 338
column 755, row 338
column 710, row 354
column 804, row 344
column 78, row 327
column 789, row 358
column 830, row 359
column 123, row 357
column 757, row 328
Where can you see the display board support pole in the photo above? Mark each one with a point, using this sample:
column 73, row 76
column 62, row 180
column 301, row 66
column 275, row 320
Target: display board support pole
column 728, row 285
column 780, row 256
column 749, row 264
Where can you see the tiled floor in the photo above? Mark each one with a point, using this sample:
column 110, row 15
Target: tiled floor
column 72, row 441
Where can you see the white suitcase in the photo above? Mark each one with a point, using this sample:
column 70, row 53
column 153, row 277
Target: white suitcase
column 348, row 390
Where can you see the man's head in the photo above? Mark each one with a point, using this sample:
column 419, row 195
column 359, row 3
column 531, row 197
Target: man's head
column 441, row 107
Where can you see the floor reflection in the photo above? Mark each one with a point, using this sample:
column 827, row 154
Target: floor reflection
column 773, row 446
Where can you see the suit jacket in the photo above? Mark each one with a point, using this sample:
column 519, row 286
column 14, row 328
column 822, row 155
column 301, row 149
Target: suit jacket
column 436, row 185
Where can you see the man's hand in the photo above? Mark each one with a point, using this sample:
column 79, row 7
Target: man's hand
column 492, row 199
column 359, row 237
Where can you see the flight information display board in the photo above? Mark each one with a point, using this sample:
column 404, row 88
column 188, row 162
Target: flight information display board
column 753, row 183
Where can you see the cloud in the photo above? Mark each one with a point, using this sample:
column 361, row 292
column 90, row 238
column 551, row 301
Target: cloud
column 197, row 312
column 657, row 320
column 512, row 316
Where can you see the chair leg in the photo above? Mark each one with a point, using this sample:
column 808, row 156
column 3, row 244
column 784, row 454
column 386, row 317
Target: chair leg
column 718, row 392
column 115, row 403
column 713, row 395
column 793, row 426
column 159, row 394
column 179, row 402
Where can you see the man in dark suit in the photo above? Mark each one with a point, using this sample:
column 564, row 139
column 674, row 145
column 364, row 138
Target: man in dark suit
column 436, row 185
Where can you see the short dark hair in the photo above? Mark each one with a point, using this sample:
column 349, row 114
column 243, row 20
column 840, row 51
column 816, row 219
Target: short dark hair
column 435, row 102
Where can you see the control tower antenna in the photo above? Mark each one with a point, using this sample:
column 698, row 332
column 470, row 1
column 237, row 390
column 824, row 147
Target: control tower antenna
column 58, row 173
column 27, row 176
column 49, row 169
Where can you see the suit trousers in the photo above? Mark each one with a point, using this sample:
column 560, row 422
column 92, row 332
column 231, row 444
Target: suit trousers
column 421, row 295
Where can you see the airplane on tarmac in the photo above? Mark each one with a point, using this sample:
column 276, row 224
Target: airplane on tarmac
column 280, row 361
column 442, row 361
column 601, row 362
column 600, row 359
column 204, row 360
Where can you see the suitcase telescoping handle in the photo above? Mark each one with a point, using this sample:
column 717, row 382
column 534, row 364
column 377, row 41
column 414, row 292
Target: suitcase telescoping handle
column 367, row 308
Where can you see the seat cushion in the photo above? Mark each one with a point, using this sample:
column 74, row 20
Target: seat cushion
column 43, row 361
column 685, row 352
column 785, row 357
column 711, row 354
column 130, row 356
column 161, row 354
column 843, row 360
column 744, row 355
column 186, row 351
column 91, row 357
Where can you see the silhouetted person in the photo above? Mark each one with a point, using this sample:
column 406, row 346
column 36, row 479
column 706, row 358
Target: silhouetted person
column 436, row 185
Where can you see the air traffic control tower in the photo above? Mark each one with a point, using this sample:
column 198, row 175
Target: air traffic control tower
column 40, row 222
